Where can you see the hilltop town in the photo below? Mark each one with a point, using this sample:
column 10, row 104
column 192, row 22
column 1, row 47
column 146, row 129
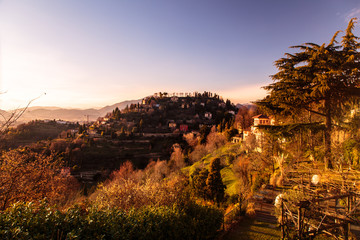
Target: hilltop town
column 141, row 132
column 166, row 114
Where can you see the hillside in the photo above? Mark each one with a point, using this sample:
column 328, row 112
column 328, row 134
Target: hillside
column 148, row 130
column 229, row 153
column 139, row 132
column 160, row 114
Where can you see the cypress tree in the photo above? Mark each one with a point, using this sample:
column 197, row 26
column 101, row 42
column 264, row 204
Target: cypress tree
column 215, row 186
column 199, row 182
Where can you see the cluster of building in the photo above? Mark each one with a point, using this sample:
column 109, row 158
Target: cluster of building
column 58, row 121
column 183, row 114
column 183, row 94
column 259, row 120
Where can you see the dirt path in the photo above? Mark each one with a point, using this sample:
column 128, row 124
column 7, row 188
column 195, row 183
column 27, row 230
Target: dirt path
column 265, row 212
column 262, row 226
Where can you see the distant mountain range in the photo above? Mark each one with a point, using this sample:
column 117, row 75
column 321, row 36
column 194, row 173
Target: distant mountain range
column 74, row 115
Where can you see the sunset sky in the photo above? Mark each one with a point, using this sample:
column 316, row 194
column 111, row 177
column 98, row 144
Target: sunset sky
column 88, row 53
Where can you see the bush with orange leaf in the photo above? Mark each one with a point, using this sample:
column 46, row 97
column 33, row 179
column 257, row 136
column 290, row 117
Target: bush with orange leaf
column 29, row 176
column 129, row 188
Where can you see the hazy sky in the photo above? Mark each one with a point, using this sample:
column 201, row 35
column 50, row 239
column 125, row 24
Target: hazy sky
column 87, row 53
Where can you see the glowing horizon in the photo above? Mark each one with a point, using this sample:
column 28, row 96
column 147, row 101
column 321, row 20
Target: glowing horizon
column 247, row 94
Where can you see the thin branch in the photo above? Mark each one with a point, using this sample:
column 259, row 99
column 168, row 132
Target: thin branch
column 16, row 114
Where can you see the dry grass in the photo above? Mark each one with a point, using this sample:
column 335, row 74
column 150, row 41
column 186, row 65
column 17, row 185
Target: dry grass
column 250, row 210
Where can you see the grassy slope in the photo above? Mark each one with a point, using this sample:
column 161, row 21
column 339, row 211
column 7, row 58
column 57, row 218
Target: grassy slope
column 227, row 153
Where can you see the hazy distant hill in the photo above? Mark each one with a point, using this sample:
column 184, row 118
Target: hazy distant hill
column 79, row 115
column 247, row 105
column 120, row 105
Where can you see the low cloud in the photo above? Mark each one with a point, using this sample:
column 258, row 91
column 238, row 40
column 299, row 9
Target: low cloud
column 355, row 12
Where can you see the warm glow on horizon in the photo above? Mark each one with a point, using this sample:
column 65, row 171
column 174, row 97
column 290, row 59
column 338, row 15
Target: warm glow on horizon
column 245, row 94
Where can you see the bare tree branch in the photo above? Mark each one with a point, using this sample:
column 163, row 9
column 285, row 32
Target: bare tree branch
column 15, row 115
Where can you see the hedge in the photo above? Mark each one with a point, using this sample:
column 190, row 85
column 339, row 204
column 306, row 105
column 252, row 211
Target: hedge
column 86, row 221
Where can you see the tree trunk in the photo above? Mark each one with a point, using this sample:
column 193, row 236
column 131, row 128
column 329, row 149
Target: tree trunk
column 310, row 136
column 327, row 135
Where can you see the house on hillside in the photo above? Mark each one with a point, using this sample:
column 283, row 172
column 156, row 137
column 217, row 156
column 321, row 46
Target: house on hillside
column 261, row 120
column 237, row 139
column 238, row 126
column 184, row 106
column 246, row 133
column 208, row 115
column 183, row 128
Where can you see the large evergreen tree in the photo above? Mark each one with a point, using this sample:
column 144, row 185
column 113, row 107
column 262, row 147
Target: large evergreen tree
column 322, row 79
column 215, row 186
column 199, row 182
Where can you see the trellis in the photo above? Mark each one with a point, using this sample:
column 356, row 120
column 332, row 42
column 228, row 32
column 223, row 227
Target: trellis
column 331, row 215
column 329, row 206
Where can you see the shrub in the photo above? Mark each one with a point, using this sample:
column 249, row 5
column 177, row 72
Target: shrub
column 135, row 189
column 28, row 176
column 85, row 221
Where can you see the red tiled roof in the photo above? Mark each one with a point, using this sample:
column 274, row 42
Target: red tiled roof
column 261, row 116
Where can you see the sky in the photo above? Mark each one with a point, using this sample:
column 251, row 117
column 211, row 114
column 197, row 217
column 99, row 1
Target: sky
column 87, row 53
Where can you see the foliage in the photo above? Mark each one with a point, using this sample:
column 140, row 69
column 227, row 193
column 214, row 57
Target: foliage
column 252, row 170
column 198, row 182
column 214, row 183
column 290, row 130
column 86, row 221
column 198, row 153
column 204, row 132
column 243, row 118
column 259, row 181
column 29, row 176
column 230, row 181
column 230, row 133
column 227, row 153
column 214, row 141
column 177, row 157
column 352, row 152
column 320, row 79
column 32, row 132
column 129, row 188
